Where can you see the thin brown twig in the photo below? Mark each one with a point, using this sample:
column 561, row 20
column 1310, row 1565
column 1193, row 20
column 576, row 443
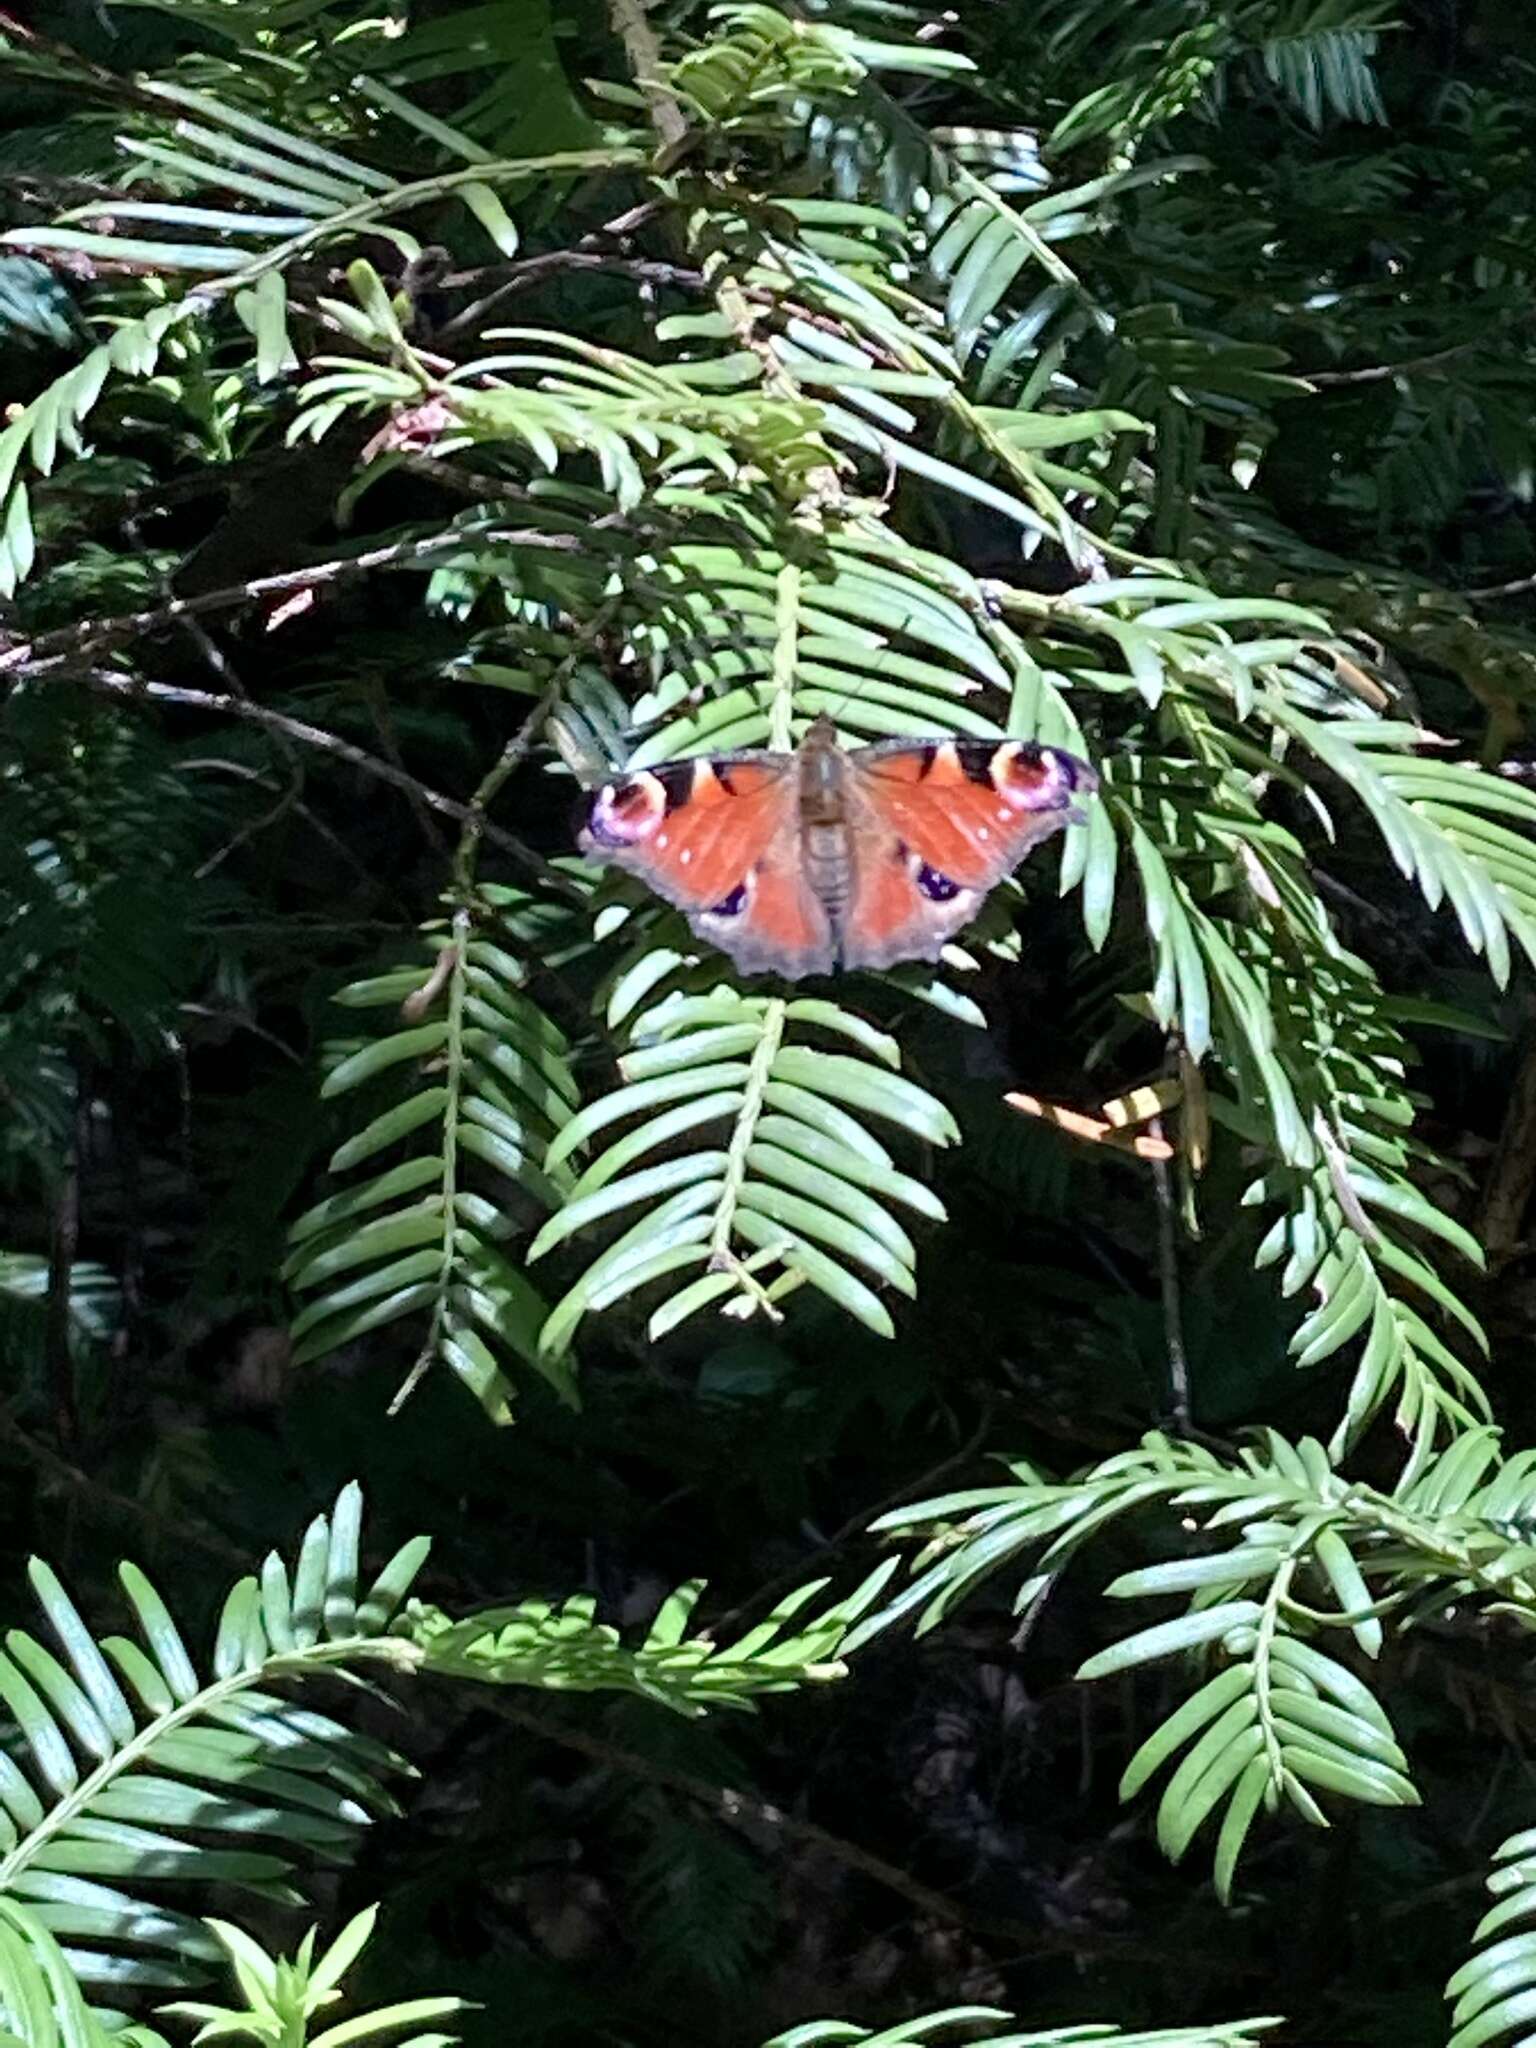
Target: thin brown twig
column 745, row 1808
column 292, row 793
column 213, row 764
column 527, row 270
column 1516, row 589
column 377, row 700
column 1377, row 373
column 522, row 276
column 109, row 683
column 781, row 1582
column 589, row 252
column 224, row 670
column 288, row 800
column 63, row 1248
column 511, row 757
column 475, row 827
column 583, row 256
column 476, row 486
column 1168, row 1286
column 113, row 1507
column 50, row 651
column 644, row 54
column 77, row 71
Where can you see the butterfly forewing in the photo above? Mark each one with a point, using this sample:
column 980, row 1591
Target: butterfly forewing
column 720, row 838
column 971, row 809
column 693, row 830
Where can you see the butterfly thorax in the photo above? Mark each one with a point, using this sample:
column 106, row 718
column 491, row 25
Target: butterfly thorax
column 822, row 802
column 823, row 807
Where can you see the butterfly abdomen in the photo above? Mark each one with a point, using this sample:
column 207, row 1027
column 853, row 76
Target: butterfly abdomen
column 798, row 862
column 829, row 864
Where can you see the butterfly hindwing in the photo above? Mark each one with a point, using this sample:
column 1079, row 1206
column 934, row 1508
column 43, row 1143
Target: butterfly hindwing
column 971, row 808
column 776, row 923
column 891, row 914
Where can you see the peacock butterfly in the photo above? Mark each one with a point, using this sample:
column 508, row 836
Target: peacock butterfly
column 796, row 863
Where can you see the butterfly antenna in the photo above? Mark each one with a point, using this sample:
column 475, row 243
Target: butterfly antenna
column 848, row 695
column 837, row 709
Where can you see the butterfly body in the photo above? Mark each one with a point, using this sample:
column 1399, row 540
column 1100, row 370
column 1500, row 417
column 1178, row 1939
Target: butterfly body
column 798, row 863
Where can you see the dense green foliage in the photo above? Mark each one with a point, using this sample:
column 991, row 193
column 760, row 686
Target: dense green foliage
column 415, row 415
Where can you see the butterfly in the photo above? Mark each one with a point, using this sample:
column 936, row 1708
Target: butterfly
column 796, row 863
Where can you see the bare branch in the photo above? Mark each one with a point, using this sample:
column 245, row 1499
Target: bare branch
column 1518, row 588
column 51, row 651
column 746, row 1810
column 592, row 252
column 93, row 1496
column 63, row 1248
column 644, row 54
column 1179, row 1415
column 1378, row 373
column 110, row 684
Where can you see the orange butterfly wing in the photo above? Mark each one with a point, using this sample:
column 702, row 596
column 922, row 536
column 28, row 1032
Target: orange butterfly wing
column 721, row 840
column 929, row 827
column 933, row 827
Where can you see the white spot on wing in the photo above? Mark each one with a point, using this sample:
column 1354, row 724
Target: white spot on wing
column 661, row 838
column 983, row 832
column 685, row 856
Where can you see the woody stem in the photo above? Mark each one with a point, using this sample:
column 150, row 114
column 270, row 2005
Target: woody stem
column 759, row 1073
column 786, row 655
